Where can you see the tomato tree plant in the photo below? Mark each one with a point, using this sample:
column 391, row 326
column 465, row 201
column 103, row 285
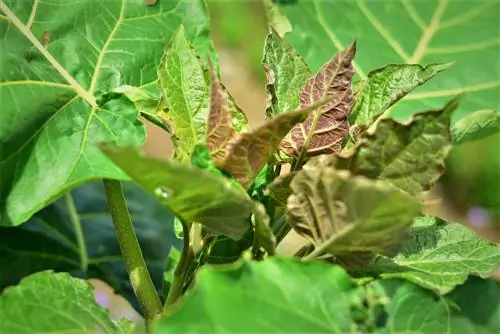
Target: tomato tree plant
column 79, row 200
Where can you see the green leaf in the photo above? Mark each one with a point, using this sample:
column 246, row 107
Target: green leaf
column 408, row 32
column 75, row 234
column 410, row 156
column 250, row 151
column 440, row 256
column 295, row 295
column 279, row 190
column 325, row 129
column 387, row 85
column 193, row 194
column 349, row 217
column 174, row 257
column 479, row 300
column 478, row 125
column 220, row 131
column 263, row 235
column 48, row 303
column 58, row 63
column 286, row 74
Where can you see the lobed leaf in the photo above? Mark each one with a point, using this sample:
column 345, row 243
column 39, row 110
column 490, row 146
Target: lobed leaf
column 410, row 156
column 476, row 126
column 352, row 218
column 193, row 194
column 387, row 85
column 282, row 287
column 324, row 130
column 48, row 303
column 286, row 74
column 59, row 63
column 439, row 256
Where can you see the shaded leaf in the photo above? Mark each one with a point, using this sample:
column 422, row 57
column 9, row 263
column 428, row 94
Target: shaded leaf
column 53, row 111
column 286, row 74
column 263, row 235
column 50, row 239
column 410, row 32
column 220, row 130
column 174, row 257
column 193, row 194
column 48, row 303
column 251, row 150
column 279, row 190
column 440, row 256
column 387, row 85
column 410, row 156
column 324, row 130
column 476, row 126
column 282, row 287
column 348, row 216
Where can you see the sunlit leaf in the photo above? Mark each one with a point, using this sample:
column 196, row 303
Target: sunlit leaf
column 324, row 130
column 286, row 74
column 54, row 303
column 349, row 216
column 478, row 125
column 410, row 156
column 193, row 194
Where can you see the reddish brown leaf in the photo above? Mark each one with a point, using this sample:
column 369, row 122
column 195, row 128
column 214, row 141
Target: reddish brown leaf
column 324, row 130
column 220, row 130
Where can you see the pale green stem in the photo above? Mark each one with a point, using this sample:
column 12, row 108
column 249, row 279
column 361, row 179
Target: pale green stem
column 77, row 226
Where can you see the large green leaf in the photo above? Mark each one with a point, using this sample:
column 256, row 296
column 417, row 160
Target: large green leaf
column 191, row 193
column 55, row 303
column 412, row 32
column 478, row 125
column 348, row 217
column 410, row 156
column 297, row 297
column 75, row 234
column 58, row 63
column 440, row 256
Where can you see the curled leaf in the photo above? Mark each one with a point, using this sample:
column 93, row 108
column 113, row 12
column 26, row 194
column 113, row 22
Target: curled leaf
column 263, row 235
column 324, row 130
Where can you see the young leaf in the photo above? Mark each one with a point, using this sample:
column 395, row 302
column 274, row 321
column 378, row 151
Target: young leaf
column 324, row 130
column 286, row 74
column 51, row 115
column 346, row 215
column 263, row 235
column 387, row 85
column 475, row 126
column 54, row 303
column 410, row 156
column 75, row 234
column 220, row 129
column 193, row 194
column 294, row 294
column 440, row 256
column 251, row 150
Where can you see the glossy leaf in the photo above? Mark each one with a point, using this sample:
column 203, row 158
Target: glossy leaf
column 387, row 85
column 408, row 32
column 349, row 216
column 324, row 130
column 282, row 287
column 220, row 129
column 410, row 156
column 286, row 74
column 251, row 150
column 51, row 239
column 193, row 194
column 59, row 63
column 476, row 126
column 48, row 303
column 440, row 256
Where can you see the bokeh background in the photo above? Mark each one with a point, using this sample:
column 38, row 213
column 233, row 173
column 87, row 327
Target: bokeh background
column 468, row 193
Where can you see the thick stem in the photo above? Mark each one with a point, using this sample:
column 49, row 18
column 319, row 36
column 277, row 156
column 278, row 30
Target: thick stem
column 131, row 252
column 187, row 256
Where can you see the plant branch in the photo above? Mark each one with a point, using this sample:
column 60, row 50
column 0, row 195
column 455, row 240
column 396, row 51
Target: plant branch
column 131, row 251
column 187, row 256
column 77, row 226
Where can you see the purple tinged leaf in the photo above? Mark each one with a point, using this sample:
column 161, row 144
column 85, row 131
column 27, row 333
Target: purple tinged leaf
column 324, row 130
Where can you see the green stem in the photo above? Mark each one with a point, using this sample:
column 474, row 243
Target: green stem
column 77, row 226
column 131, row 251
column 187, row 257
